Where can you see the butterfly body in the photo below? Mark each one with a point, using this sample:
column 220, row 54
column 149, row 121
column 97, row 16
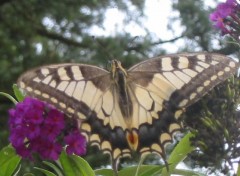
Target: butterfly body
column 122, row 92
column 138, row 109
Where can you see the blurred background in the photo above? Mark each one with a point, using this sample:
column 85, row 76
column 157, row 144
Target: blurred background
column 39, row 32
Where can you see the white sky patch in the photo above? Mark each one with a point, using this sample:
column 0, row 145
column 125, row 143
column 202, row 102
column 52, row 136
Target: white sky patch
column 156, row 21
column 114, row 23
column 48, row 22
column 158, row 14
column 212, row 3
column 157, row 18
column 38, row 47
column 113, row 20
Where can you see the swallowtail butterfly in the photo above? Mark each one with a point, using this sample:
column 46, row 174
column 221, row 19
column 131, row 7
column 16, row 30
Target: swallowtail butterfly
column 137, row 109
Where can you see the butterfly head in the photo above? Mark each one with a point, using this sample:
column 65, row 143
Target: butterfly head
column 117, row 69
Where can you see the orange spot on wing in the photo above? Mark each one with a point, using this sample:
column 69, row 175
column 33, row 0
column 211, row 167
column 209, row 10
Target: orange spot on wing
column 132, row 138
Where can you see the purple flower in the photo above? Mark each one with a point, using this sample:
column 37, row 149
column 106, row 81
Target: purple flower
column 76, row 143
column 53, row 124
column 17, row 136
column 49, row 149
column 52, row 150
column 226, row 18
column 28, row 122
column 226, row 9
column 50, row 131
column 23, row 151
column 55, row 118
column 219, row 22
column 37, row 127
column 34, row 131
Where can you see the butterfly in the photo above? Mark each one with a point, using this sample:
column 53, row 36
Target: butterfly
column 138, row 109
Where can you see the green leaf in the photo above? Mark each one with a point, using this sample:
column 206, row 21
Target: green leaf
column 179, row 153
column 144, row 170
column 54, row 167
column 104, row 172
column 18, row 94
column 9, row 161
column 74, row 165
column 28, row 174
column 153, row 170
column 46, row 172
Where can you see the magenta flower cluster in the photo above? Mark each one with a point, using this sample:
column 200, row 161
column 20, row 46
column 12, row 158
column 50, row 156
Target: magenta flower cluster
column 226, row 17
column 37, row 127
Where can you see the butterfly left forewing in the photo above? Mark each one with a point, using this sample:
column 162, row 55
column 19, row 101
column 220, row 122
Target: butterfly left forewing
column 85, row 92
column 57, row 84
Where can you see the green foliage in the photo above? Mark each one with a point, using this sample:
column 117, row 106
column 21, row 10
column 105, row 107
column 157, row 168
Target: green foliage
column 215, row 123
column 57, row 170
column 9, row 161
column 74, row 165
column 68, row 166
column 194, row 14
column 179, row 153
column 46, row 172
column 18, row 94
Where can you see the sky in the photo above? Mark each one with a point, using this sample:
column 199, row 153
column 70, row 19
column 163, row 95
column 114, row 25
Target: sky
column 114, row 21
column 157, row 16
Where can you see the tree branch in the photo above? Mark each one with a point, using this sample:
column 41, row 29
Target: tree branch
column 139, row 46
column 167, row 41
column 59, row 37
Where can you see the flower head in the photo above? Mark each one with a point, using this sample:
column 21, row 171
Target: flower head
column 76, row 143
column 226, row 17
column 37, row 127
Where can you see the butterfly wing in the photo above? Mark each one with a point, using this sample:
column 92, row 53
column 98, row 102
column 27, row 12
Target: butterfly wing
column 159, row 88
column 86, row 92
column 164, row 86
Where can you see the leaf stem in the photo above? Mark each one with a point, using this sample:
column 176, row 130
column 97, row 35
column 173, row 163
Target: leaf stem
column 9, row 97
